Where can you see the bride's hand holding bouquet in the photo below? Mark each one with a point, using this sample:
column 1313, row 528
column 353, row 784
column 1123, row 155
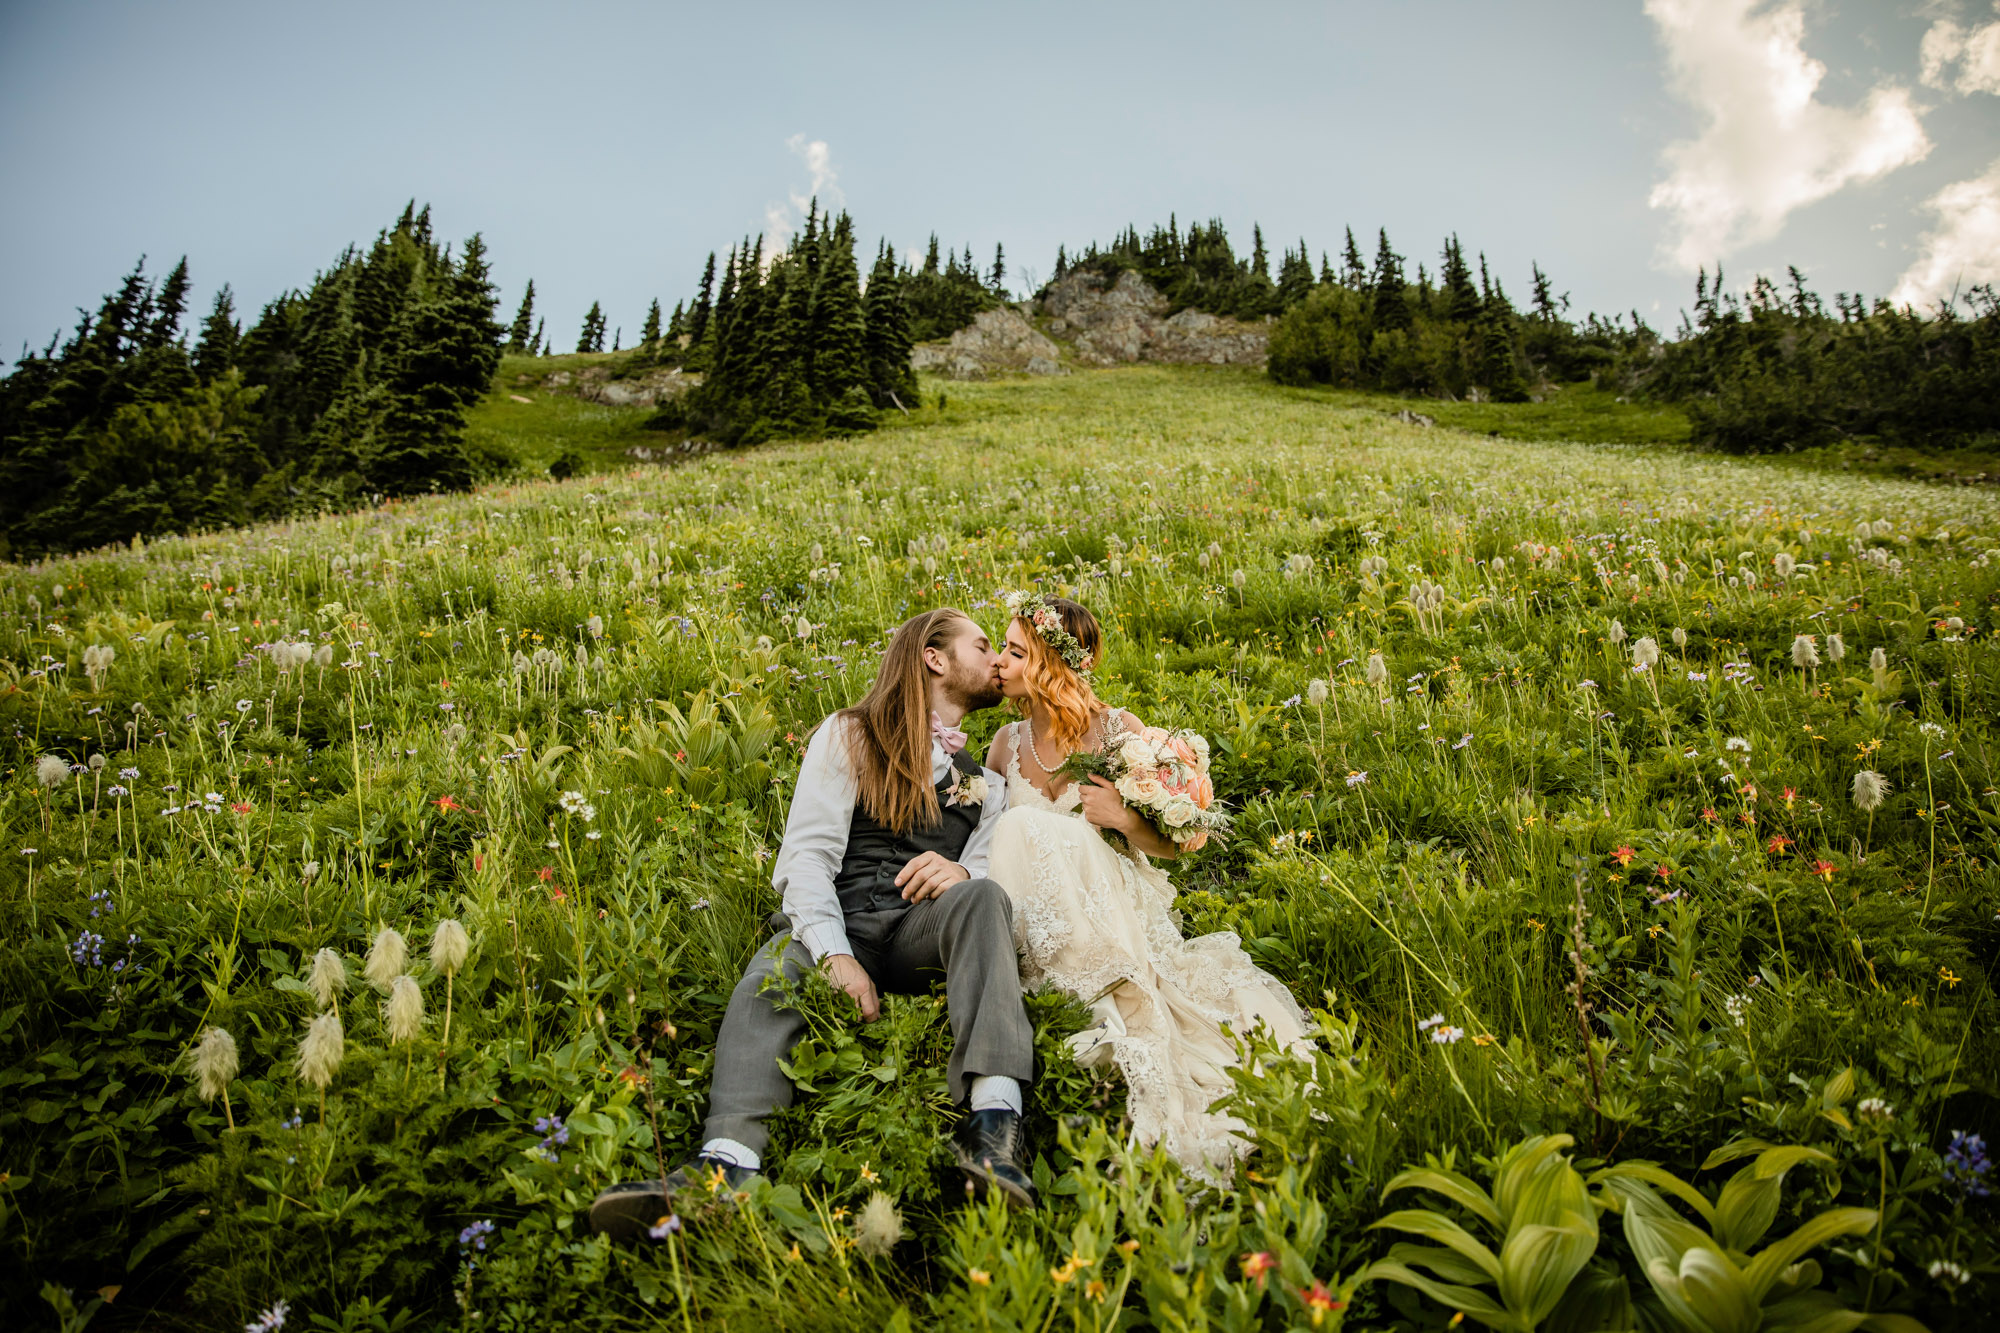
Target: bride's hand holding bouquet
column 1162, row 780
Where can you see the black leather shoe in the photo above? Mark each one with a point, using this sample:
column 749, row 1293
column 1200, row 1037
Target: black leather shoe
column 637, row 1207
column 988, row 1144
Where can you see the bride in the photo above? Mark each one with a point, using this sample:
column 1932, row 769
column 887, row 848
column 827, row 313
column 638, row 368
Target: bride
column 1098, row 922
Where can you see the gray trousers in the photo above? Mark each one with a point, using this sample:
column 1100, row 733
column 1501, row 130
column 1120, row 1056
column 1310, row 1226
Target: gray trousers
column 965, row 937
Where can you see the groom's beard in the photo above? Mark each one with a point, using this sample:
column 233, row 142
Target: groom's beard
column 973, row 690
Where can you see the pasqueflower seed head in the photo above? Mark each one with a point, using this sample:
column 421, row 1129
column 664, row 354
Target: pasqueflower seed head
column 386, row 958
column 879, row 1226
column 1617, row 632
column 1378, row 671
column 1870, row 789
column 1836, row 647
column 450, row 946
column 50, row 770
column 319, row 1054
column 214, row 1063
column 1316, row 692
column 403, row 1011
column 328, row 979
column 1645, row 653
column 1805, row 654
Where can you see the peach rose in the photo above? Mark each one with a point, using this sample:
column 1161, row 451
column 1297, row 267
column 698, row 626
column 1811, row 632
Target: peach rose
column 1201, row 790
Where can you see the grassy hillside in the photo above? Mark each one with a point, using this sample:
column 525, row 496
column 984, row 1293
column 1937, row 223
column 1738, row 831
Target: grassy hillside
column 567, row 715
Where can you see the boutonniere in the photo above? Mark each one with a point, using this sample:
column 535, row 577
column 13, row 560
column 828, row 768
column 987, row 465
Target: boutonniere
column 966, row 789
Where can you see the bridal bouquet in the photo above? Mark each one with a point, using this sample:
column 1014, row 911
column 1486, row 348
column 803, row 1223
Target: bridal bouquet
column 1164, row 775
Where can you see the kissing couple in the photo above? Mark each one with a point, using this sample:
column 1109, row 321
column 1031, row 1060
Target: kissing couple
column 905, row 862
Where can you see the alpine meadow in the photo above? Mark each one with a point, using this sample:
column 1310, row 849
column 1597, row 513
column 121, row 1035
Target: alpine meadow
column 1624, row 816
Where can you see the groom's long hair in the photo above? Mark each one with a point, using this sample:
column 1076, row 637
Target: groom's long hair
column 889, row 736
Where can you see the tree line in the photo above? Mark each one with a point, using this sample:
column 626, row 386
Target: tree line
column 355, row 387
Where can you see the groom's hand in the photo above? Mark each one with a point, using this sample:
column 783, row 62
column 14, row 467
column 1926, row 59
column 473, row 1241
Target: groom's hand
column 843, row 971
column 928, row 876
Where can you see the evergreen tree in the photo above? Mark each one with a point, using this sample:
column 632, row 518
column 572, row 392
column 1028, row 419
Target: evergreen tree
column 617, row 337
column 649, row 333
column 891, row 381
column 591, row 339
column 677, row 324
column 839, row 336
column 1545, row 299
column 524, row 322
column 215, row 350
column 1260, row 258
column 1462, row 301
column 1062, row 264
column 697, row 324
column 170, row 305
column 540, row 347
column 1295, row 278
column 1391, row 307
column 1353, row 272
column 998, row 282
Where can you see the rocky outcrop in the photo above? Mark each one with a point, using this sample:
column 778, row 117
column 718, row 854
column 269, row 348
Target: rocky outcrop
column 1103, row 323
column 595, row 384
column 996, row 342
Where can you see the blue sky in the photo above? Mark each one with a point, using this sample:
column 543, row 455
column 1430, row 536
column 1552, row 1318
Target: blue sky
column 604, row 149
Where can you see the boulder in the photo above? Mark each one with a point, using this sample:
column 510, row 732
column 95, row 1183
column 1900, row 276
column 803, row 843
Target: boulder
column 595, row 384
column 1126, row 321
column 997, row 341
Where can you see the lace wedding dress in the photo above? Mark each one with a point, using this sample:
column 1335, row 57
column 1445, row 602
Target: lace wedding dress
column 1099, row 923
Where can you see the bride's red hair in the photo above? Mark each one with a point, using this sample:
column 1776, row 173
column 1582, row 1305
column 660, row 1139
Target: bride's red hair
column 1066, row 694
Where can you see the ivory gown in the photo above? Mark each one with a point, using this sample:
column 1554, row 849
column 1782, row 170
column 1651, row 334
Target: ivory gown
column 1088, row 917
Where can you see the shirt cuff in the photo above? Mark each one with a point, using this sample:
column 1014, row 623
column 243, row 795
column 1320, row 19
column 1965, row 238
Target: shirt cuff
column 825, row 938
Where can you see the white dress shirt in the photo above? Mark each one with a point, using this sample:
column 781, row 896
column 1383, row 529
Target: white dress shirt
column 816, row 837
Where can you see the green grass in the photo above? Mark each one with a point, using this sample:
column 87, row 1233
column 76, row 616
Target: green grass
column 1509, row 793
column 534, row 433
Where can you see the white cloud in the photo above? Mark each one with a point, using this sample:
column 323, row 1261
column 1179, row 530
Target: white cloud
column 1766, row 147
column 1964, row 248
column 780, row 220
column 1975, row 53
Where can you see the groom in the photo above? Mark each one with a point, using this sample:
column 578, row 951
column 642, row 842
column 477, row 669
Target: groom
column 881, row 873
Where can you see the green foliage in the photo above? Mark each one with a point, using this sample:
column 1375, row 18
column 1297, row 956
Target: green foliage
column 1646, row 909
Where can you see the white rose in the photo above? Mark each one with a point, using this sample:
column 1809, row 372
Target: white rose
column 1135, row 753
column 975, row 790
column 1179, row 812
column 1141, row 789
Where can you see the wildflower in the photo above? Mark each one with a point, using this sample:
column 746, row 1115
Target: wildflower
column 403, row 1011
column 50, row 769
column 1874, row 1108
column 1377, row 671
column 1623, row 856
column 241, row 807
column 1949, row 1273
column 1316, row 692
column 1462, row 741
column 1645, row 653
column 1617, row 632
column 1870, row 789
column 1836, row 647
column 978, row 1277
column 1447, row 1034
column 1805, row 655
column 1784, row 563
column 1697, row 675
column 1429, row 1023
column 270, row 1321
column 1777, row 844
column 449, row 946
column 474, row 1236
column 1825, row 869
column 1680, row 637
column 321, row 1051
column 804, row 628
column 596, row 626
column 308, row 872
column 1737, row 743
column 1966, row 1165
column 129, row 774
column 1356, row 778
column 1238, row 578
column 1930, row 729
column 878, row 1226
column 869, row 1174
column 214, row 1063
column 1737, row 1005
column 1292, row 702
column 1319, row 1301
column 665, row 1227
column 328, row 978
column 555, row 1136
column 1094, row 1290
column 386, row 958
column 447, row 804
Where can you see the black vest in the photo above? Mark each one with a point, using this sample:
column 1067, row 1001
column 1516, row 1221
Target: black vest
column 876, row 854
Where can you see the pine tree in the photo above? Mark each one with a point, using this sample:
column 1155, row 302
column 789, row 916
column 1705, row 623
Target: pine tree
column 540, row 346
column 698, row 314
column 169, row 307
column 931, row 256
column 215, row 351
column 891, row 381
column 1260, row 258
column 1295, row 278
column 1545, row 298
column 1455, row 278
column 998, row 282
column 649, row 333
column 677, row 324
column 1390, row 307
column 524, row 322
column 617, row 337
column 591, row 339
column 1353, row 272
column 1062, row 264
column 839, row 335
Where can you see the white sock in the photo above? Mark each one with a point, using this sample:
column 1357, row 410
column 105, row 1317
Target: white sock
column 993, row 1092
column 732, row 1152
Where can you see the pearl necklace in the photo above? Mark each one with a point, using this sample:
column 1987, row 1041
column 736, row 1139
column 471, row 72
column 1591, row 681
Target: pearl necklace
column 1036, row 750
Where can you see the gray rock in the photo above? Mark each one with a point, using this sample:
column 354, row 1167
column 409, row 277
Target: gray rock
column 1041, row 365
column 997, row 341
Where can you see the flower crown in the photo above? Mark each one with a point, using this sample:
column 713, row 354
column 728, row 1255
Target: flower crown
column 1042, row 616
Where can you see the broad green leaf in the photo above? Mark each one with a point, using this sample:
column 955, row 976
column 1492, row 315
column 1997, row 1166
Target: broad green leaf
column 1423, row 1222
column 1729, row 1152
column 1838, row 1089
column 1773, row 1163
column 1450, row 1184
column 1538, row 1263
column 1519, row 1166
column 1762, row 1272
column 1475, row 1303
column 1714, row 1289
column 1598, row 1301
column 1447, row 1264
column 1748, row 1205
column 1660, row 1178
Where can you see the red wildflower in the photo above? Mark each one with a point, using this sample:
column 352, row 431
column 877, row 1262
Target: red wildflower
column 1825, row 869
column 1778, row 843
column 545, row 874
column 1319, row 1301
column 1790, row 796
column 479, row 863
column 1623, row 856
column 447, row 804
column 240, row 807
column 1664, row 872
column 1708, row 814
column 1256, row 1265
column 559, row 896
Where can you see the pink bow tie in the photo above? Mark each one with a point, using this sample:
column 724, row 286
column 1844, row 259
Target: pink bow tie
column 951, row 738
